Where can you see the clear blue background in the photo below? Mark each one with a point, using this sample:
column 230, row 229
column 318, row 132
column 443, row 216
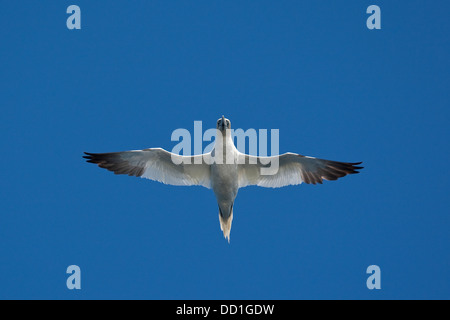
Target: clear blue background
column 137, row 70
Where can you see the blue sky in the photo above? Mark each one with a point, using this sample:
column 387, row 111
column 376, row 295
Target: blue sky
column 138, row 70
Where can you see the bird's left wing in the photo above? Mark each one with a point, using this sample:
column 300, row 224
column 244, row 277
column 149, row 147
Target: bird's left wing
column 156, row 164
column 292, row 169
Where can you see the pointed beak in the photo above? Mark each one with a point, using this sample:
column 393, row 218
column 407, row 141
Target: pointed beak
column 223, row 122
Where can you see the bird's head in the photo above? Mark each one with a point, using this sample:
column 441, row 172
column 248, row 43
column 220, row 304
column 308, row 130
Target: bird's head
column 223, row 124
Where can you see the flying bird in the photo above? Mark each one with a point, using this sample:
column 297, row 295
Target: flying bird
column 224, row 169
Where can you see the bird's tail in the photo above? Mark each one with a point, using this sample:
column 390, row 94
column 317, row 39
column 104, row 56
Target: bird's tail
column 225, row 224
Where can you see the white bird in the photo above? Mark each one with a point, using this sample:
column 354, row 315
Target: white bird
column 224, row 169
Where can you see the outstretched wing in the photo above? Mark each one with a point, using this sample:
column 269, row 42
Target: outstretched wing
column 292, row 169
column 156, row 164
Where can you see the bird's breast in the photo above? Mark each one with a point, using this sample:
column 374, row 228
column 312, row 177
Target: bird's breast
column 224, row 180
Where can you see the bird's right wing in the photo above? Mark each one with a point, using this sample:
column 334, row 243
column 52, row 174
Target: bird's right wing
column 291, row 169
column 156, row 164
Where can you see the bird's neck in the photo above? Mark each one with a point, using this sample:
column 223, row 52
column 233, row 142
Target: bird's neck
column 224, row 146
column 224, row 139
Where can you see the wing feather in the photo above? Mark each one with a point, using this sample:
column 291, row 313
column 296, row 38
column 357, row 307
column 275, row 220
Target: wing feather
column 293, row 169
column 156, row 164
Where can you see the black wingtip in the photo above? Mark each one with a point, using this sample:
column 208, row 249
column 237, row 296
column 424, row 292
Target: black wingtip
column 356, row 166
column 86, row 156
column 89, row 157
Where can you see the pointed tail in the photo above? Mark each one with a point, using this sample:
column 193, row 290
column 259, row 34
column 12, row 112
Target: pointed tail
column 225, row 224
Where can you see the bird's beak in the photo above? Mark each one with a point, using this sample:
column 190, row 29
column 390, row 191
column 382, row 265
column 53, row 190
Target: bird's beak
column 223, row 122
